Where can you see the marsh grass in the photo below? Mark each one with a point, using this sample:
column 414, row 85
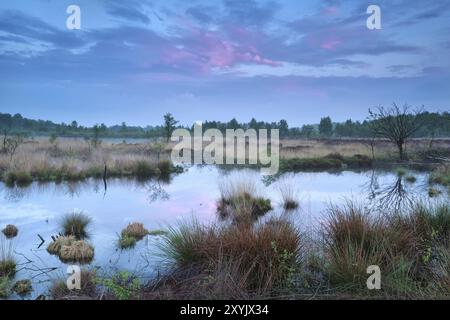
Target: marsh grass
column 5, row 287
column 288, row 192
column 69, row 249
column 89, row 288
column 74, row 159
column 77, row 252
column 133, row 233
column 76, row 224
column 406, row 247
column 23, row 287
column 7, row 261
column 242, row 200
column 263, row 256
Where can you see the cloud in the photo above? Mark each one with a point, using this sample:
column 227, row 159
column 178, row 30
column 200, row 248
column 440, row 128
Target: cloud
column 130, row 10
column 20, row 26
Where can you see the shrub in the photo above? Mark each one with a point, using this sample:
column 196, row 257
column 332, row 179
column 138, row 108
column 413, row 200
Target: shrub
column 76, row 224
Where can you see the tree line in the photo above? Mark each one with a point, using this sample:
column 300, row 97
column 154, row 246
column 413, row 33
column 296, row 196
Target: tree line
column 432, row 125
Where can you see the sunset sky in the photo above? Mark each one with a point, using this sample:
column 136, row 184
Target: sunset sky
column 135, row 60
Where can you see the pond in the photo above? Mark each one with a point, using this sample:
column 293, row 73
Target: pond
column 37, row 210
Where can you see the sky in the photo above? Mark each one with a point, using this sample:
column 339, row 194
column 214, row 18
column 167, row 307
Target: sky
column 133, row 61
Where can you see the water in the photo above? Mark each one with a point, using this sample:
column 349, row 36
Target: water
column 37, row 209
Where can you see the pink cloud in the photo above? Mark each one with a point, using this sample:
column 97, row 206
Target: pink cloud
column 208, row 50
column 330, row 44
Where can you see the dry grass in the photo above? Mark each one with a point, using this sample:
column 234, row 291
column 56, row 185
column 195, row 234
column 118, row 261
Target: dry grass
column 74, row 159
column 10, row 231
column 133, row 233
column 257, row 259
column 77, row 252
column 55, row 246
column 7, row 261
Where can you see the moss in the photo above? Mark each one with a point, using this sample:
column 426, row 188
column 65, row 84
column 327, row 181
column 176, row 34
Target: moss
column 10, row 231
column 23, row 287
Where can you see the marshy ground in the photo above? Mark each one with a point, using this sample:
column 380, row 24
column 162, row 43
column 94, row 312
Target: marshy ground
column 226, row 233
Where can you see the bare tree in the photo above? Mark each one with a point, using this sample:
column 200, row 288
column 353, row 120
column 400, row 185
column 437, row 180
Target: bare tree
column 396, row 124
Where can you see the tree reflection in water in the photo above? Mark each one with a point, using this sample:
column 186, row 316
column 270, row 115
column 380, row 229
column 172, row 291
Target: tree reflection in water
column 390, row 197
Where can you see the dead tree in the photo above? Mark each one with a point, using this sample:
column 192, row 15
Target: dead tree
column 395, row 124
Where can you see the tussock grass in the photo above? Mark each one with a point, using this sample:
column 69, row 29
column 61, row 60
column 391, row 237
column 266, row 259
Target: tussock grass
column 69, row 249
column 89, row 288
column 55, row 246
column 264, row 255
column 7, row 261
column 241, row 199
column 408, row 249
column 133, row 233
column 288, row 193
column 76, row 224
column 23, row 287
column 77, row 252
column 10, row 231
column 441, row 175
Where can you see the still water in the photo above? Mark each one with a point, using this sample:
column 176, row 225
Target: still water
column 38, row 209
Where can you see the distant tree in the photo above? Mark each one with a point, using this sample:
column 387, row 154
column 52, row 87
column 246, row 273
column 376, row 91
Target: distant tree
column 284, row 128
column 96, row 131
column 169, row 125
column 307, row 131
column 396, row 124
column 233, row 124
column 74, row 124
column 326, row 127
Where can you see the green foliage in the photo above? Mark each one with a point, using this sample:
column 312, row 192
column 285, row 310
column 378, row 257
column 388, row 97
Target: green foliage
column 123, row 286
